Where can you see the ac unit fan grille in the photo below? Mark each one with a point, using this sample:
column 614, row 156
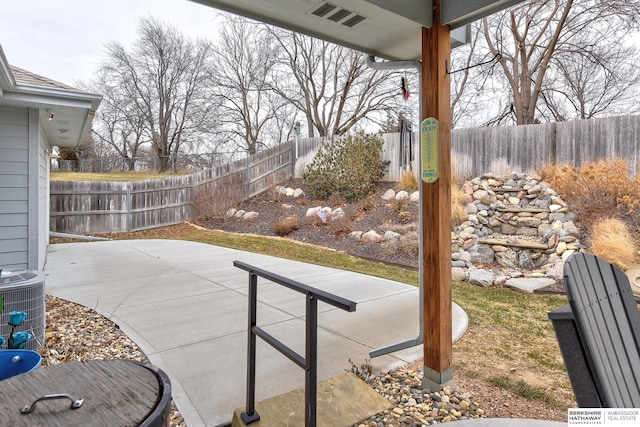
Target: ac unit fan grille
column 30, row 298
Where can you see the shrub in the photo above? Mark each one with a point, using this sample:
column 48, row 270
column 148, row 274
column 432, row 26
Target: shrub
column 370, row 204
column 612, row 241
column 458, row 210
column 286, row 226
column 597, row 190
column 400, row 205
column 274, row 194
column 341, row 227
column 407, row 244
column 607, row 178
column 315, row 221
column 405, row 217
column 627, row 207
column 347, row 166
column 408, row 182
column 214, row 198
column 336, row 200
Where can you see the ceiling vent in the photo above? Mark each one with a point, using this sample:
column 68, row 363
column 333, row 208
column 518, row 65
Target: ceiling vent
column 353, row 21
column 337, row 14
column 324, row 9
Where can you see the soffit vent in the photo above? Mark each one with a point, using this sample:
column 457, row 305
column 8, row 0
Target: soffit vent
column 324, row 9
column 353, row 21
column 337, row 14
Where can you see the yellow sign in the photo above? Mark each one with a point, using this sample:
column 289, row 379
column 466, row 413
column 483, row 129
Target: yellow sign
column 429, row 169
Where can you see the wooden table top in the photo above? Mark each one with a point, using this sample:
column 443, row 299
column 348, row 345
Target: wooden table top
column 115, row 393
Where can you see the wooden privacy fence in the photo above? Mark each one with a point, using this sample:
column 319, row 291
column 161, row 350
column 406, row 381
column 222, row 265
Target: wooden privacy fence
column 100, row 207
column 104, row 207
column 502, row 150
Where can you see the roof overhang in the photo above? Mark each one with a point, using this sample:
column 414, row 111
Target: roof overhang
column 65, row 115
column 390, row 29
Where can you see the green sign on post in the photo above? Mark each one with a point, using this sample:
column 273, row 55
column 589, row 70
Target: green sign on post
column 429, row 168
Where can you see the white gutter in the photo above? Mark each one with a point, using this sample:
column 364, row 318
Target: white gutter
column 51, row 97
column 7, row 81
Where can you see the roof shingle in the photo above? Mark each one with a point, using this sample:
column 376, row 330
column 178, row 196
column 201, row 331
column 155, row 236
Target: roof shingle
column 25, row 77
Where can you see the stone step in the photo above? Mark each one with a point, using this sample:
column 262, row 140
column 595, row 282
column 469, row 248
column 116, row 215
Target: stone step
column 529, row 284
column 521, row 243
column 506, row 189
column 343, row 400
column 519, row 210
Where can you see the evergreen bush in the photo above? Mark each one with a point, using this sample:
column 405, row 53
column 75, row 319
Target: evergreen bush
column 346, row 166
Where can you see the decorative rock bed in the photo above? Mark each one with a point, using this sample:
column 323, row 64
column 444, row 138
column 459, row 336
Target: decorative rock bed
column 518, row 231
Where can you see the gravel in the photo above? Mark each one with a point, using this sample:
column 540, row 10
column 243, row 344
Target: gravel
column 78, row 333
column 415, row 406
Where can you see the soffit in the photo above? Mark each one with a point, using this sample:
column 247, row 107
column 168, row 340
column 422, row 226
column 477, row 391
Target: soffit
column 390, row 29
column 65, row 112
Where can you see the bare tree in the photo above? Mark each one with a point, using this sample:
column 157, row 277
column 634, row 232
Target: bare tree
column 118, row 123
column 163, row 77
column 602, row 80
column 249, row 109
column 331, row 85
column 471, row 71
column 532, row 37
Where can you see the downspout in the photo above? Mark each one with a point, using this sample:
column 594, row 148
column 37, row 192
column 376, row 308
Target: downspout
column 393, row 65
column 397, row 65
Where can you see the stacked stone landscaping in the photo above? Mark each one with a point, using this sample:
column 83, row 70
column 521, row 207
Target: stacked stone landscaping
column 518, row 233
column 517, row 222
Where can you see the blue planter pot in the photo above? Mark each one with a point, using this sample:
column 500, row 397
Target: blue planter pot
column 14, row 362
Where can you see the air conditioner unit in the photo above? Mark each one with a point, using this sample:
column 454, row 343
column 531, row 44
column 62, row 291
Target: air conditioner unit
column 24, row 291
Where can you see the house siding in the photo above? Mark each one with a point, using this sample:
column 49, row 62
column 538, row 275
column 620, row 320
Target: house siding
column 14, row 188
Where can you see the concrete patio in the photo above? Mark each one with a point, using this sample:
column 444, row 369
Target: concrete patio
column 185, row 305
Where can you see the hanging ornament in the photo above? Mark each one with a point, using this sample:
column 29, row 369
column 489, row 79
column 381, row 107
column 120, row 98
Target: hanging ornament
column 404, row 86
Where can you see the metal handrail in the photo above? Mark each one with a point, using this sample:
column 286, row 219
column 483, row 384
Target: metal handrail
column 308, row 362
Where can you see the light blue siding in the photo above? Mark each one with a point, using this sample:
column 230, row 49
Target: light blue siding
column 13, row 206
column 14, row 182
column 13, row 154
column 13, row 245
column 14, row 188
column 13, row 219
column 13, row 232
column 11, row 168
column 12, row 193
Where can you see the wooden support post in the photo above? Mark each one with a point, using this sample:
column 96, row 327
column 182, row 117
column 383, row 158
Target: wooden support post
column 436, row 208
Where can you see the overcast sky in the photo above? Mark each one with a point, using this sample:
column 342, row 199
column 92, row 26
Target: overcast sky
column 64, row 39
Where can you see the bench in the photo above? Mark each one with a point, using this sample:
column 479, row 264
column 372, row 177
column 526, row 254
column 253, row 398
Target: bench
column 599, row 334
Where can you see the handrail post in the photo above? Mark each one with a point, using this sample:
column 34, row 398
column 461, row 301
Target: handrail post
column 311, row 358
column 310, row 361
column 250, row 415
